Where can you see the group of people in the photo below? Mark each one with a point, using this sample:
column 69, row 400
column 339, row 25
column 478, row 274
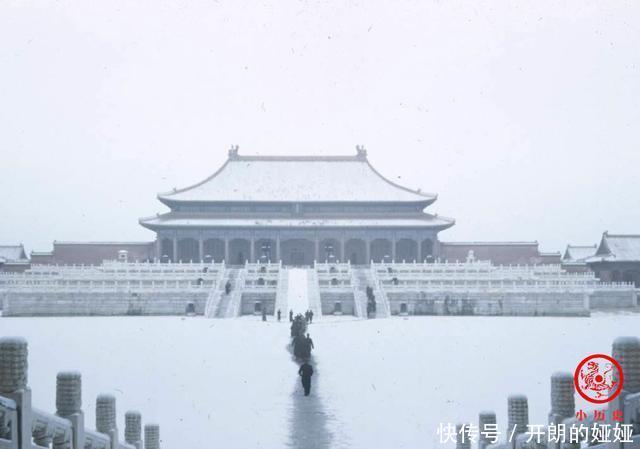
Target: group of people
column 302, row 346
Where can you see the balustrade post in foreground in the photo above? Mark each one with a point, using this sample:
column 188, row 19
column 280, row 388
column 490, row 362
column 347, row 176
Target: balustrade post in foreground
column 133, row 428
column 106, row 418
column 485, row 420
column 518, row 412
column 69, row 403
column 151, row 436
column 13, row 384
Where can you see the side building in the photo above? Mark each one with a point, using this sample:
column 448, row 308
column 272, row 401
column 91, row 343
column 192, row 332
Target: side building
column 297, row 210
column 617, row 258
column 498, row 253
column 13, row 258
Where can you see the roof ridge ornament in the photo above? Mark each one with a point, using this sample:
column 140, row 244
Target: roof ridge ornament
column 233, row 152
column 361, row 152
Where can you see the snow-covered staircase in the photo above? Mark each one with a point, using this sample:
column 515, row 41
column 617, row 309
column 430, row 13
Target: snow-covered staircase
column 215, row 295
column 313, row 292
column 298, row 292
column 361, row 278
column 282, row 292
column 383, row 310
column 221, row 305
column 235, row 302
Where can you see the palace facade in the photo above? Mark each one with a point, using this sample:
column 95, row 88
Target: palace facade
column 297, row 210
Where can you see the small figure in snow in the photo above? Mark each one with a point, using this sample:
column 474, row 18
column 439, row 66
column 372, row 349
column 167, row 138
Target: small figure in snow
column 291, row 316
column 264, row 314
column 310, row 316
column 279, row 315
column 227, row 288
column 310, row 342
column 305, row 372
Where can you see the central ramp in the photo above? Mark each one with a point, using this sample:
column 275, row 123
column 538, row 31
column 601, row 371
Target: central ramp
column 298, row 293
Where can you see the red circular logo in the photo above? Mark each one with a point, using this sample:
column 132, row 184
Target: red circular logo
column 599, row 378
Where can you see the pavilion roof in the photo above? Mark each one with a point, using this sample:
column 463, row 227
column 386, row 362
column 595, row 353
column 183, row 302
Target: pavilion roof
column 578, row 253
column 296, row 179
column 617, row 248
column 12, row 253
column 171, row 220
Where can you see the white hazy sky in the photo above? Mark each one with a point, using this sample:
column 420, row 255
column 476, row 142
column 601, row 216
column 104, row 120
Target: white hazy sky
column 523, row 116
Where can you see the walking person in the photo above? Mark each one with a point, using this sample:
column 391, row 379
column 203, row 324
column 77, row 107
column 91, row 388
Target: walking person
column 291, row 316
column 310, row 343
column 310, row 316
column 305, row 372
column 279, row 315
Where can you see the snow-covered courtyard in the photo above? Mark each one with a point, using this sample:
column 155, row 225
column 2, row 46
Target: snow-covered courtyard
column 380, row 383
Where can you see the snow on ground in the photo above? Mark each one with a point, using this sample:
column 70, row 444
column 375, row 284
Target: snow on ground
column 380, row 383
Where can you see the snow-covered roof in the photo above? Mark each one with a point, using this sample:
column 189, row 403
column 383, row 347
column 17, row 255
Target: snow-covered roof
column 12, row 253
column 168, row 220
column 296, row 179
column 506, row 243
column 578, row 253
column 617, row 248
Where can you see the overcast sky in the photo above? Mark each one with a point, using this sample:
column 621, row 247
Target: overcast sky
column 522, row 116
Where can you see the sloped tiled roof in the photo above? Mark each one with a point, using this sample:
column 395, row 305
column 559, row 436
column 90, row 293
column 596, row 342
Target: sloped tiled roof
column 12, row 253
column 578, row 253
column 296, row 179
column 618, row 248
column 172, row 221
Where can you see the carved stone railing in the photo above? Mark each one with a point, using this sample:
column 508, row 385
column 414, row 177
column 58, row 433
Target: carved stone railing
column 521, row 434
column 24, row 427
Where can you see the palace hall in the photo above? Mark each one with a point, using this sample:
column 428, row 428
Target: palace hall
column 296, row 209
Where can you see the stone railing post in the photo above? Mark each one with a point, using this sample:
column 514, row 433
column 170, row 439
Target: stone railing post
column 69, row 403
column 518, row 411
column 563, row 403
column 626, row 350
column 484, row 419
column 13, row 384
column 462, row 439
column 151, row 436
column 133, row 428
column 106, row 418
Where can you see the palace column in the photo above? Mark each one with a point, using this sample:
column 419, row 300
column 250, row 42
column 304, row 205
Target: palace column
column 175, row 249
column 367, row 250
column 201, row 249
column 393, row 248
column 278, row 257
column 158, row 247
column 226, row 250
column 419, row 251
column 252, row 250
column 342, row 256
column 317, row 250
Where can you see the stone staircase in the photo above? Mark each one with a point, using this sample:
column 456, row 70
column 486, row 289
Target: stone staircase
column 221, row 305
column 313, row 289
column 361, row 278
column 235, row 302
column 215, row 295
